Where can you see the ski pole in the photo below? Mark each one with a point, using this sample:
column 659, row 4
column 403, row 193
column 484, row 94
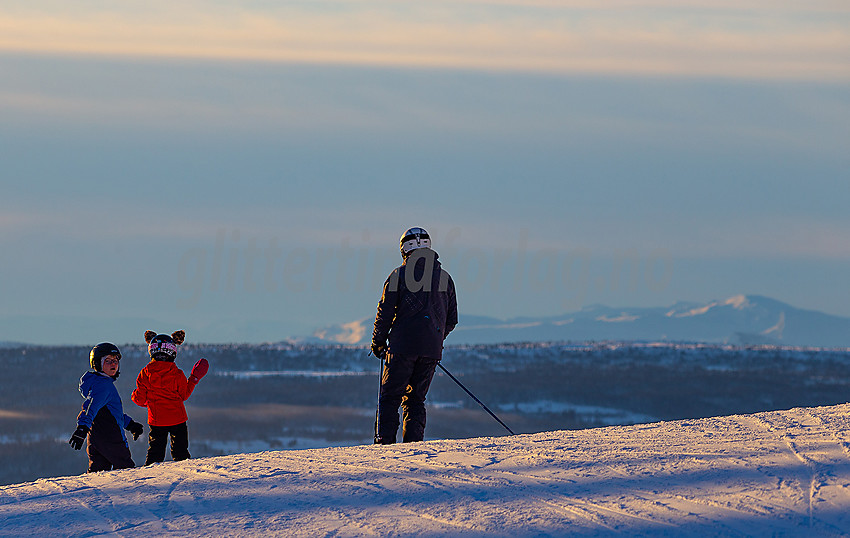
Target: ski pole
column 380, row 384
column 443, row 368
column 378, row 412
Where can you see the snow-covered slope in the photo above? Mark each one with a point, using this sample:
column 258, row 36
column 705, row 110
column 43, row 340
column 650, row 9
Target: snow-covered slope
column 774, row 473
column 742, row 319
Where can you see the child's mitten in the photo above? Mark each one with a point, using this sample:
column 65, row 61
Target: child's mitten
column 199, row 370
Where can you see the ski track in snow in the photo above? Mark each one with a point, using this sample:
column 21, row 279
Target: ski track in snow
column 766, row 474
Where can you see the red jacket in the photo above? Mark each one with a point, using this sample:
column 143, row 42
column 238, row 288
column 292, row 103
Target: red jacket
column 162, row 387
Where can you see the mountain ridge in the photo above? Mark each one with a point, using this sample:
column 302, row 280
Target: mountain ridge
column 739, row 319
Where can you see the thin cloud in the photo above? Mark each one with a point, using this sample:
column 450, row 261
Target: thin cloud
column 551, row 37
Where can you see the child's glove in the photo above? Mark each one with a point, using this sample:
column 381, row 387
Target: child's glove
column 136, row 429
column 79, row 437
column 199, row 370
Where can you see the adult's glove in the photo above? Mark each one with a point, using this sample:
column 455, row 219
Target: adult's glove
column 379, row 350
column 79, row 437
column 136, row 429
column 199, row 370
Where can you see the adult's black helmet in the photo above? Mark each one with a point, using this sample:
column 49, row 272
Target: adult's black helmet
column 412, row 239
column 100, row 351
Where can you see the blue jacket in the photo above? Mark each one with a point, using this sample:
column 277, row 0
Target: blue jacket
column 100, row 393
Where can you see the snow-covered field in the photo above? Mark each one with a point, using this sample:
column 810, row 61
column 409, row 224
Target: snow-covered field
column 781, row 473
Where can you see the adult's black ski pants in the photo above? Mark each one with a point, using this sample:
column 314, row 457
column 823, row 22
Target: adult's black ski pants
column 405, row 383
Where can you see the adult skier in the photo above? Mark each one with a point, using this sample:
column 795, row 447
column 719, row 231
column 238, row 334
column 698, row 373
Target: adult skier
column 417, row 310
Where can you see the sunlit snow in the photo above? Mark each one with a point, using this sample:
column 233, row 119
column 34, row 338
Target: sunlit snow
column 766, row 474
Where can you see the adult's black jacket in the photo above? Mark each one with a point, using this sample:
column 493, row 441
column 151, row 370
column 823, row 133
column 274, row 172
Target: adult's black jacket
column 418, row 307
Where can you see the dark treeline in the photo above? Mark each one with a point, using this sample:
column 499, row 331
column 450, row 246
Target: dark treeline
column 533, row 387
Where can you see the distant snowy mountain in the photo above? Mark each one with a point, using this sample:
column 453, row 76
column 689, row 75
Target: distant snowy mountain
column 777, row 473
column 742, row 319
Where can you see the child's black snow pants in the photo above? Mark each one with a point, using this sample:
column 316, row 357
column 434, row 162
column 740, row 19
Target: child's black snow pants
column 158, row 437
column 106, row 447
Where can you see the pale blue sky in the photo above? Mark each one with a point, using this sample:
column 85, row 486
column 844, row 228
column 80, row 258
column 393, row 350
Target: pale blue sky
column 196, row 167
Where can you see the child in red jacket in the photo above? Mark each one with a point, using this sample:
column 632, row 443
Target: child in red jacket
column 162, row 387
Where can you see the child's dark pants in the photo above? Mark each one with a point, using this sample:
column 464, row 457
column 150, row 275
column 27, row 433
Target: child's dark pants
column 107, row 448
column 108, row 455
column 158, row 438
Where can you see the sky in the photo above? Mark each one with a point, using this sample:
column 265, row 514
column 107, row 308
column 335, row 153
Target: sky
column 243, row 170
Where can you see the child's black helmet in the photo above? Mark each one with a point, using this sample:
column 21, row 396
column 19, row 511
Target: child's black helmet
column 100, row 351
column 163, row 347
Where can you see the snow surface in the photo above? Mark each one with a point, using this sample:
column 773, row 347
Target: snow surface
column 783, row 473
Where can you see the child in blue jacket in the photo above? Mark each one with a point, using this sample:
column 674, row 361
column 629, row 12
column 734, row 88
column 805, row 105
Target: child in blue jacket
column 102, row 420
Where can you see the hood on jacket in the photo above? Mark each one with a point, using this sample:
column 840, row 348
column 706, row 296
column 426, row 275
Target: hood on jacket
column 159, row 367
column 90, row 379
column 161, row 372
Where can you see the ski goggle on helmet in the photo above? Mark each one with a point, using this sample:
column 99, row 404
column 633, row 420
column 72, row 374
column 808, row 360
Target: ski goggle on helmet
column 162, row 344
column 414, row 238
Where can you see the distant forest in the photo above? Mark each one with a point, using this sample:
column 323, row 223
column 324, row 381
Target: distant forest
column 532, row 387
